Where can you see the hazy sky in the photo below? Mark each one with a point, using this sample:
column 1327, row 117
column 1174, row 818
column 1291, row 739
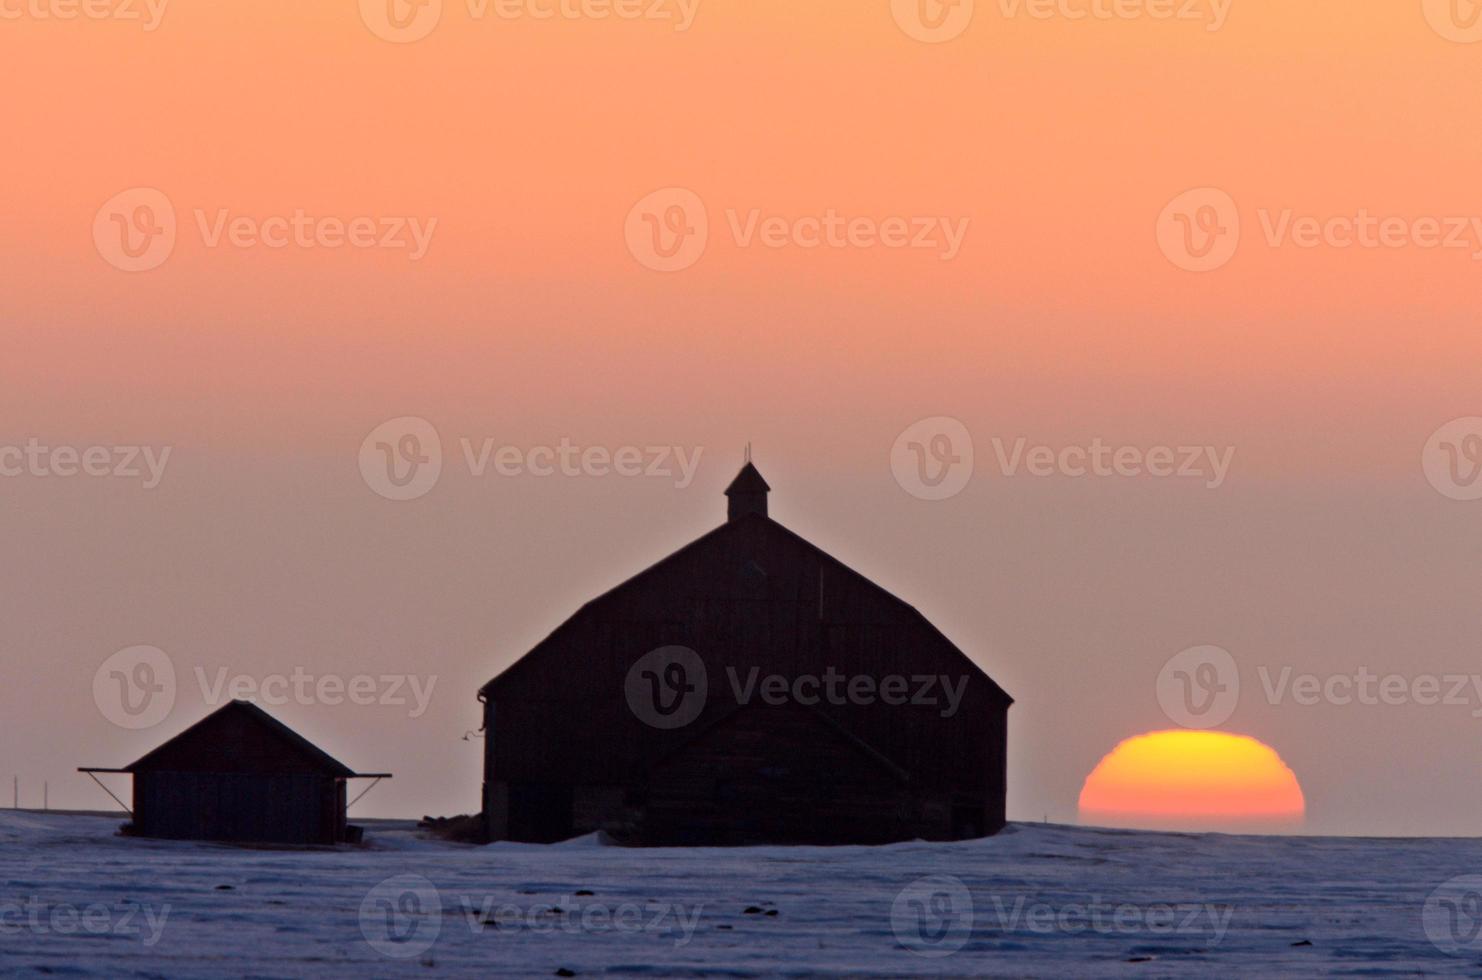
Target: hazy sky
column 529, row 313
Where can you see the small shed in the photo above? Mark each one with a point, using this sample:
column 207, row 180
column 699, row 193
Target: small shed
column 241, row 775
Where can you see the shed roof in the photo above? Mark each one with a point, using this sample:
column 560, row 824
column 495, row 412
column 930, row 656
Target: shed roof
column 214, row 735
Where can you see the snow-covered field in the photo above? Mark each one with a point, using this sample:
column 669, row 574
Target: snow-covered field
column 1033, row 901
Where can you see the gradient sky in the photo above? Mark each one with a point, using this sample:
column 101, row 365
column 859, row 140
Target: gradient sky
column 529, row 321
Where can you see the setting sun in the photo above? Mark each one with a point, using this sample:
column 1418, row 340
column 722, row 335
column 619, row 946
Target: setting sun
column 1193, row 780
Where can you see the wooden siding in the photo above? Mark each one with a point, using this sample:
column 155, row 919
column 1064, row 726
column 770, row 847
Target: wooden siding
column 286, row 808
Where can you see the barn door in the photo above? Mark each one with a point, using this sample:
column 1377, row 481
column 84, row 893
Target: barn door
column 540, row 813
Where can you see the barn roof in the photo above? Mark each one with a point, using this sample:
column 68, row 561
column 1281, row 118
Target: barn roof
column 207, row 730
column 748, row 480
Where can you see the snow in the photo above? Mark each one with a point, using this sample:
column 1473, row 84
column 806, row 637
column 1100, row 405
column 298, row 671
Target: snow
column 1045, row 900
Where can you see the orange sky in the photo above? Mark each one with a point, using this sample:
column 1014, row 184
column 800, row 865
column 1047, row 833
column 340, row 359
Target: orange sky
column 1058, row 141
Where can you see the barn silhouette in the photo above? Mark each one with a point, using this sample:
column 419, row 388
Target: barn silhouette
column 239, row 774
column 692, row 704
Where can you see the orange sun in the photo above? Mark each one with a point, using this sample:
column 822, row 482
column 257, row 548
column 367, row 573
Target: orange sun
column 1188, row 780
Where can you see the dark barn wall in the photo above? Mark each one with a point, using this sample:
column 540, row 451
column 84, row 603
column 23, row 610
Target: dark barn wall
column 748, row 780
column 750, row 594
column 288, row 808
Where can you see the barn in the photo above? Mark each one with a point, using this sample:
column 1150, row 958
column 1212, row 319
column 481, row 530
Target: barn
column 241, row 775
column 748, row 688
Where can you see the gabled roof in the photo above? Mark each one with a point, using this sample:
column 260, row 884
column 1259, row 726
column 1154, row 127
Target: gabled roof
column 733, row 527
column 252, row 715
